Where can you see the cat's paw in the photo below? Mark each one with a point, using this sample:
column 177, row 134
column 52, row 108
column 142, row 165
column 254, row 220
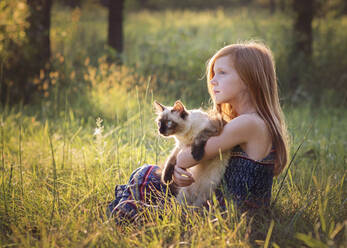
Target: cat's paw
column 198, row 150
column 167, row 174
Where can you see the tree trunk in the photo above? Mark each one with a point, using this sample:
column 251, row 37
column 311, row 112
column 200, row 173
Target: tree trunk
column 303, row 26
column 272, row 7
column 38, row 47
column 38, row 32
column 143, row 3
column 301, row 52
column 282, row 5
column 115, row 25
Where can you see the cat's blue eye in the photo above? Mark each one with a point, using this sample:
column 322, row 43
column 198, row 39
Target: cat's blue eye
column 159, row 123
column 169, row 123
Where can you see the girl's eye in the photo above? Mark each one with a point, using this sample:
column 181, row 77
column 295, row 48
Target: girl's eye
column 169, row 123
column 221, row 72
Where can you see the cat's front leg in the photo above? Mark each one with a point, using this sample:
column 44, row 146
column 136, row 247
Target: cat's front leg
column 168, row 171
column 169, row 166
column 198, row 146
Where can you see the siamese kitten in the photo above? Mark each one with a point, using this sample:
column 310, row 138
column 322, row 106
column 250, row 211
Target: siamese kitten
column 191, row 128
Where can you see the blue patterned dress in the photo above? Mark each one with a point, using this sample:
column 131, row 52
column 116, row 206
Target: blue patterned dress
column 246, row 182
column 143, row 190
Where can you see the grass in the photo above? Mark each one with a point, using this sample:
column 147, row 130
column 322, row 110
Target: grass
column 62, row 157
column 57, row 177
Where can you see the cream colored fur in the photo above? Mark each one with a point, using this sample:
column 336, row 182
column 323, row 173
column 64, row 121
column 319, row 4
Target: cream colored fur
column 207, row 174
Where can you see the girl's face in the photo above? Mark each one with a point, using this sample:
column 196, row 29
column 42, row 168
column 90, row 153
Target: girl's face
column 227, row 87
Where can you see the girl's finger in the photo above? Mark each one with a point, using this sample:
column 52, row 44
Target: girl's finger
column 180, row 183
column 183, row 172
column 182, row 180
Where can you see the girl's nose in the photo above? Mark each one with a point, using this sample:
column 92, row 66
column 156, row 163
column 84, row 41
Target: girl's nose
column 213, row 82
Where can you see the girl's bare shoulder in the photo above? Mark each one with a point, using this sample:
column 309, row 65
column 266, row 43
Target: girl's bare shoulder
column 247, row 122
column 257, row 136
column 252, row 126
column 246, row 130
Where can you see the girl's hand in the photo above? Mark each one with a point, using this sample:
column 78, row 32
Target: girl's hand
column 184, row 158
column 182, row 177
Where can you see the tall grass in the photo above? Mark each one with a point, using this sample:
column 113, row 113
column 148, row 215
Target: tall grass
column 65, row 206
column 61, row 158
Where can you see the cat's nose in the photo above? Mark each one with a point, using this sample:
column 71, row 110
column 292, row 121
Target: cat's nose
column 162, row 130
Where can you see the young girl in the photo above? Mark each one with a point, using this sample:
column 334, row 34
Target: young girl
column 242, row 83
column 241, row 80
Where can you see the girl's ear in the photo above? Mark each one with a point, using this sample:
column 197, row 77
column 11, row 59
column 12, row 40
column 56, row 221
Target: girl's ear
column 159, row 107
column 179, row 107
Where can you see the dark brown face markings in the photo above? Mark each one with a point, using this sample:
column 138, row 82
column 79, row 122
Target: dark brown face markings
column 167, row 126
column 183, row 114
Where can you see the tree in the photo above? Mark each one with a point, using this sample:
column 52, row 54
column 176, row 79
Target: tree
column 272, row 6
column 301, row 52
column 115, row 25
column 38, row 32
column 143, row 3
column 304, row 11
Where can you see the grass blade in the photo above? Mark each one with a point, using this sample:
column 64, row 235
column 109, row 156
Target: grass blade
column 54, row 167
column 269, row 232
column 20, row 158
column 291, row 161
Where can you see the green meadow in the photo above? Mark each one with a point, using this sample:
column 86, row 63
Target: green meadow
column 62, row 156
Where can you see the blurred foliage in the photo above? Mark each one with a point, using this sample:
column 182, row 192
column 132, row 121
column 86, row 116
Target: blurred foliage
column 172, row 47
column 113, row 89
column 13, row 22
column 175, row 45
column 195, row 4
column 323, row 7
column 72, row 3
column 169, row 48
column 24, row 47
column 331, row 8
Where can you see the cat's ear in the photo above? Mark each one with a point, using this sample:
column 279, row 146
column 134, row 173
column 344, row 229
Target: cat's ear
column 159, row 107
column 179, row 107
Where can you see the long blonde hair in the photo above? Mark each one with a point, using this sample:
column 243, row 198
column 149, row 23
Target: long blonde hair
column 254, row 63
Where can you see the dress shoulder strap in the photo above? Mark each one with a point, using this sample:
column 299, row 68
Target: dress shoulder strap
column 269, row 159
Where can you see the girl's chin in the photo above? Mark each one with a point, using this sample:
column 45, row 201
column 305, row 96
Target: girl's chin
column 218, row 101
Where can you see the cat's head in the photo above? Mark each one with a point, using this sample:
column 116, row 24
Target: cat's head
column 172, row 120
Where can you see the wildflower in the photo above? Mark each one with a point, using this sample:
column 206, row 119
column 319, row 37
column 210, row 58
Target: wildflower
column 97, row 131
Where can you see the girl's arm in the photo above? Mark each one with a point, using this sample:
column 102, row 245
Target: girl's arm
column 237, row 131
